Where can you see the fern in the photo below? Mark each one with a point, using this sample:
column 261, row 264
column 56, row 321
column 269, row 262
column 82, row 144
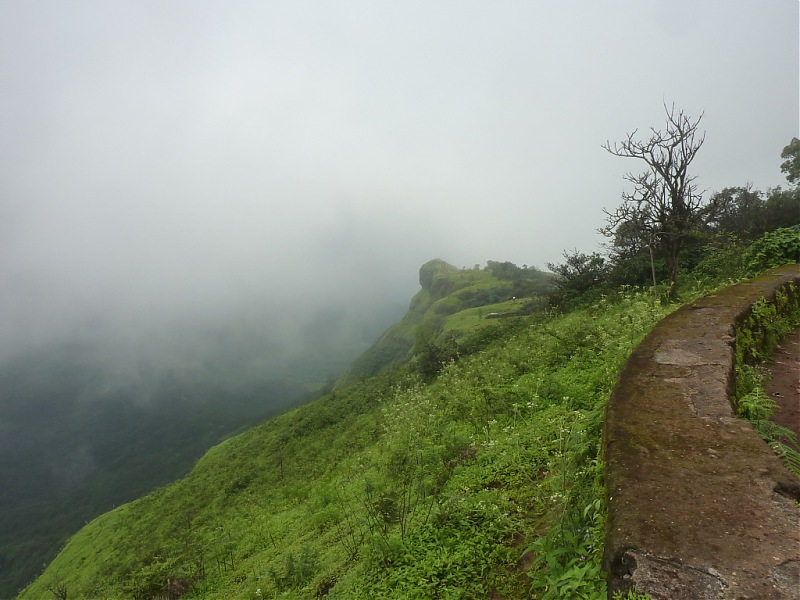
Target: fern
column 782, row 440
column 756, row 405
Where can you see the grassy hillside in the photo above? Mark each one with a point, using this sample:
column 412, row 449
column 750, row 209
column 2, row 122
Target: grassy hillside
column 100, row 419
column 481, row 478
column 457, row 457
column 450, row 303
column 66, row 457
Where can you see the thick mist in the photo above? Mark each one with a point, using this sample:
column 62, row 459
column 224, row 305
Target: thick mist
column 247, row 166
column 208, row 209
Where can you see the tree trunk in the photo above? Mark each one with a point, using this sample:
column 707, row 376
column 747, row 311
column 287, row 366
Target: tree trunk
column 673, row 252
column 653, row 269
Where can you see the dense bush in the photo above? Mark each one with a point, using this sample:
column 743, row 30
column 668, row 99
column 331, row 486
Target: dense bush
column 774, row 249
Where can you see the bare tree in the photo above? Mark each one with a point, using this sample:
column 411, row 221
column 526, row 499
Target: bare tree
column 665, row 206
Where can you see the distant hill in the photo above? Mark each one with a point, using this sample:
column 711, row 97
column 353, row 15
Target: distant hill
column 450, row 303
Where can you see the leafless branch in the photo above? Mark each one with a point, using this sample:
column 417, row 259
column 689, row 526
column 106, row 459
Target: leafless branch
column 664, row 204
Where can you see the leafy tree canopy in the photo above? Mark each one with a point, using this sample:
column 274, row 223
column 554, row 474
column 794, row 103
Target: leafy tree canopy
column 791, row 163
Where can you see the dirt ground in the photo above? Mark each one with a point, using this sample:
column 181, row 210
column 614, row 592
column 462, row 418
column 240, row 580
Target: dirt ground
column 784, row 386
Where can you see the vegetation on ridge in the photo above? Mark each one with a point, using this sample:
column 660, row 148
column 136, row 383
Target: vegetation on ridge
column 472, row 470
column 451, row 301
column 392, row 487
column 484, row 481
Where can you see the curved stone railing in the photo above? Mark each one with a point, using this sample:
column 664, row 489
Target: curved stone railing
column 698, row 505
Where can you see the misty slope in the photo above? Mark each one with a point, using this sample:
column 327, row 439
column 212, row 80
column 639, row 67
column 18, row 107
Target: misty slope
column 391, row 487
column 101, row 419
column 450, row 301
column 67, row 455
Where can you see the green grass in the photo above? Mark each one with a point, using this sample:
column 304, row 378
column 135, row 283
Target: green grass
column 448, row 292
column 478, row 317
column 392, row 488
column 483, row 479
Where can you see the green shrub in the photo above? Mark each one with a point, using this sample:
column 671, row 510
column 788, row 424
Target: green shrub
column 774, row 249
column 756, row 339
column 298, row 569
column 722, row 259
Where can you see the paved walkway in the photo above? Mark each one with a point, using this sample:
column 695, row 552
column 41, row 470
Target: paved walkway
column 698, row 506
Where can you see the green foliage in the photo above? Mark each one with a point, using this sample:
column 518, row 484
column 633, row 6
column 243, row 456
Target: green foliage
column 636, row 270
column 451, row 305
column 774, row 249
column 782, row 440
column 782, row 208
column 525, row 280
column 631, row 595
column 721, row 259
column 733, row 217
column 748, row 214
column 446, row 291
column 567, row 559
column 741, row 212
column 478, row 477
column 755, row 405
column 431, row 356
column 298, row 569
column 394, row 487
column 578, row 274
column 791, row 165
column 756, row 339
column 766, row 324
column 505, row 270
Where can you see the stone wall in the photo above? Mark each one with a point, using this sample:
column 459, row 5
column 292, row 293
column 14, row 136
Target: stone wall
column 699, row 506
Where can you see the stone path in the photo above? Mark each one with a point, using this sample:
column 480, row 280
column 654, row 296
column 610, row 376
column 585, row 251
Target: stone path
column 698, row 506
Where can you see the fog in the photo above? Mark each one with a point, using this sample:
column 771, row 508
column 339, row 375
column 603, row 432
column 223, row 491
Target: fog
column 248, row 166
column 209, row 208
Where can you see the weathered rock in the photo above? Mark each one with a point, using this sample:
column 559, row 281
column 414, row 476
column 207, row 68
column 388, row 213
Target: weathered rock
column 699, row 506
column 433, row 277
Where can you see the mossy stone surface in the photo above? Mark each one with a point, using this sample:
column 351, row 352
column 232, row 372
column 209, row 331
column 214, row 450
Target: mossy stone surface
column 699, row 505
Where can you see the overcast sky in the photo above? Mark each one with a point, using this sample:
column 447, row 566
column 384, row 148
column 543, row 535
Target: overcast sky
column 206, row 157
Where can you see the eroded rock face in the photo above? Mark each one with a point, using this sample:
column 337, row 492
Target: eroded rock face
column 699, row 505
column 437, row 286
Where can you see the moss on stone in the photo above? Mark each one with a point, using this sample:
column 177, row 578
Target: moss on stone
column 690, row 486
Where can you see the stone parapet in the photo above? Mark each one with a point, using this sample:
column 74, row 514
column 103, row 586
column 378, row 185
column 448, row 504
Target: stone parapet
column 698, row 505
